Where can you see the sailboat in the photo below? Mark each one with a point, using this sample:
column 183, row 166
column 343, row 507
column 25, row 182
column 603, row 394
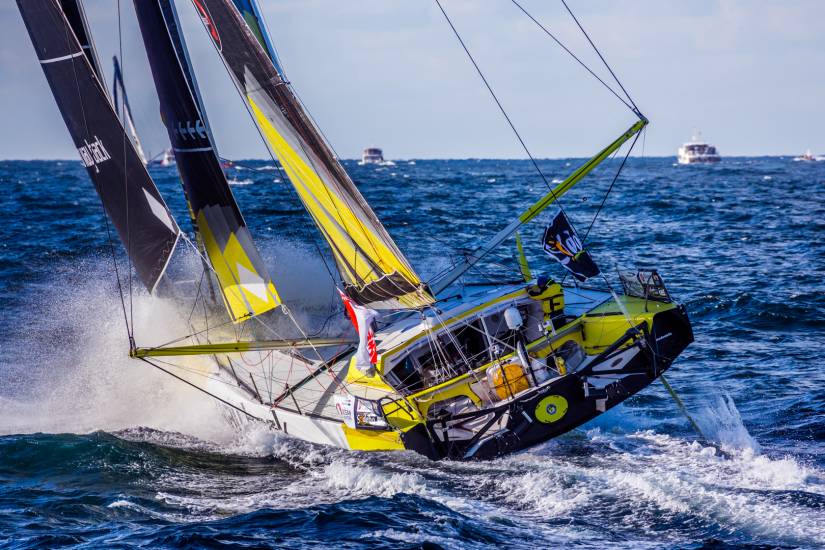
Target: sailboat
column 164, row 159
column 441, row 367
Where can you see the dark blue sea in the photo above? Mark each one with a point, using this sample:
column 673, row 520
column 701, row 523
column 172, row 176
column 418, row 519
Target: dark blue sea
column 97, row 450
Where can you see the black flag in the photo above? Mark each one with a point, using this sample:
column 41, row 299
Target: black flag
column 562, row 243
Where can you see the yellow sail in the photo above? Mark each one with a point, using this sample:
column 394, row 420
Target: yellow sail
column 245, row 284
column 374, row 271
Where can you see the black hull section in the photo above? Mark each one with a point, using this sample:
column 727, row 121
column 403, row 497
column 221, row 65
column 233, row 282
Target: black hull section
column 567, row 403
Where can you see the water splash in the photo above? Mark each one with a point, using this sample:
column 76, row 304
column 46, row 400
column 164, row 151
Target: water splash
column 722, row 424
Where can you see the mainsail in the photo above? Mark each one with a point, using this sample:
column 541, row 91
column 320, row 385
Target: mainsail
column 251, row 13
column 246, row 286
column 118, row 96
column 129, row 195
column 374, row 270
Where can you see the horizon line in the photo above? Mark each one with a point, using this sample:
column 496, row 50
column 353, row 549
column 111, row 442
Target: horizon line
column 770, row 155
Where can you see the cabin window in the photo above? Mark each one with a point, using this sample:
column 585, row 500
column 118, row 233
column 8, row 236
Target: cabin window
column 466, row 346
column 502, row 339
column 406, row 377
column 452, row 354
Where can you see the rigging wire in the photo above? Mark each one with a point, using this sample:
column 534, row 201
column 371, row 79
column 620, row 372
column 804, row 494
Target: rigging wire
column 286, row 312
column 574, row 56
column 604, row 199
column 102, row 204
column 126, row 185
column 500, row 106
column 610, row 188
column 616, row 78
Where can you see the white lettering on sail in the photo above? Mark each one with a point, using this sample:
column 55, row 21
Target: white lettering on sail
column 190, row 131
column 93, row 153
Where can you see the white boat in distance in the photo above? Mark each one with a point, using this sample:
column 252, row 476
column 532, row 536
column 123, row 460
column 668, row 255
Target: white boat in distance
column 374, row 155
column 697, row 151
column 164, row 158
column 809, row 157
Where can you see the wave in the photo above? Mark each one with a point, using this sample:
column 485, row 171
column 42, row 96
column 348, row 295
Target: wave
column 625, row 483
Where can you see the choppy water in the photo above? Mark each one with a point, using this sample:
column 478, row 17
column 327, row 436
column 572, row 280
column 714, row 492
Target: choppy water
column 98, row 451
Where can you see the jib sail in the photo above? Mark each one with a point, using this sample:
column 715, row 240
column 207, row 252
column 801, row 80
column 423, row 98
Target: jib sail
column 129, row 195
column 246, row 286
column 374, row 270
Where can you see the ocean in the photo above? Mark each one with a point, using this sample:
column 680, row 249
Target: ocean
column 97, row 450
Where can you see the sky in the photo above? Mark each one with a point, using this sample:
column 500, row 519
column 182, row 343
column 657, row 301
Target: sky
column 747, row 73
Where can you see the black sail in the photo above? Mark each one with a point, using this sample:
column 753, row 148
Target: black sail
column 129, row 195
column 246, row 286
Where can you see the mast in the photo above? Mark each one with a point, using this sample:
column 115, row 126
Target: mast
column 374, row 271
column 76, row 16
column 129, row 196
column 468, row 262
column 246, row 286
column 118, row 91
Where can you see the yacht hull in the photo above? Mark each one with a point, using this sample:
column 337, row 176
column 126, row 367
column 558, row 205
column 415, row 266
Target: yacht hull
column 567, row 402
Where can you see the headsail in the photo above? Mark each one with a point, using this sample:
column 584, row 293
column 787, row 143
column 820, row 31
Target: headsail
column 118, row 95
column 246, row 286
column 374, row 270
column 129, row 195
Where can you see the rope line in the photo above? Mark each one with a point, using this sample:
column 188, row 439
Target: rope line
column 574, row 56
column 609, row 189
column 616, row 78
column 102, row 204
column 126, row 184
column 498, row 103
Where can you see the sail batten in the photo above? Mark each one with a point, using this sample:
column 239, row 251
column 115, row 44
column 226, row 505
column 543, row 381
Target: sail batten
column 129, row 196
column 246, row 287
column 374, row 271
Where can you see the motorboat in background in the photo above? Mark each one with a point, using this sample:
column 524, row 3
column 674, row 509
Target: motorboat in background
column 697, row 151
column 374, row 155
column 809, row 157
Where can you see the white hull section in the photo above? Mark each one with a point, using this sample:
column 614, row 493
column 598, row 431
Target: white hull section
column 205, row 374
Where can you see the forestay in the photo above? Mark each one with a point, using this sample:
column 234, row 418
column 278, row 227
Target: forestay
column 245, row 284
column 129, row 195
column 374, row 270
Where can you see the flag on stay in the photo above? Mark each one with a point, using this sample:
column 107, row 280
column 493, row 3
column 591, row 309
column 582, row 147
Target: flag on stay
column 562, row 243
column 363, row 319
